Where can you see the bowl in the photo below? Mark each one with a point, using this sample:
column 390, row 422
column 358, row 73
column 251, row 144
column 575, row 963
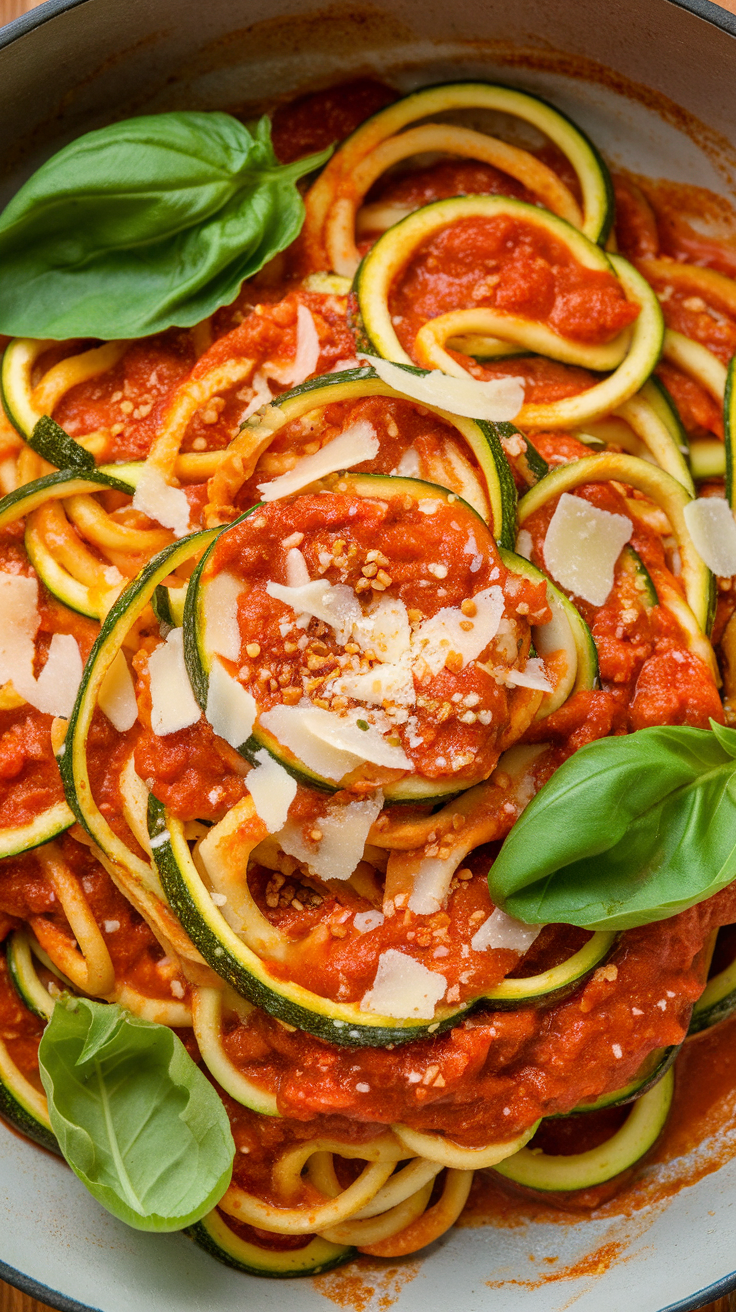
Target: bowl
column 652, row 84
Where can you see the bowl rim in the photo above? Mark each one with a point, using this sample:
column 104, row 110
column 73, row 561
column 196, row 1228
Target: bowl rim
column 19, row 27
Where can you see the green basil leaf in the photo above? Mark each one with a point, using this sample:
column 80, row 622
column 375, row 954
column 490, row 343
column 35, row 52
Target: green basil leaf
column 136, row 1119
column 629, row 830
column 55, row 445
column 151, row 222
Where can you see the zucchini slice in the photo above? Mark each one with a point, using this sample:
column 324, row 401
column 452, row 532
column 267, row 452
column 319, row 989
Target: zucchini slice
column 24, row 977
column 708, row 459
column 19, row 357
column 54, row 487
column 640, row 1131
column 207, row 1022
column 220, row 1240
column 22, row 1105
column 23, row 838
column 199, row 658
column 72, row 757
column 645, row 413
column 633, row 566
column 659, row 486
column 652, row 1071
column 567, row 632
column 481, row 436
column 717, row 1001
column 342, row 1023
column 593, row 177
column 394, row 250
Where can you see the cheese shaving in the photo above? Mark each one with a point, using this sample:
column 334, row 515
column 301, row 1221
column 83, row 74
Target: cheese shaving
column 393, row 684
column 166, row 505
column 344, row 831
column 335, row 603
column 451, row 631
column 532, row 676
column 404, row 988
column 221, row 615
column 116, row 698
column 173, row 705
column 55, row 689
column 273, row 790
column 582, row 546
column 352, row 447
column 231, row 709
column 332, row 745
column 712, row 527
column 497, row 400
column 504, row 933
column 57, row 685
column 306, row 358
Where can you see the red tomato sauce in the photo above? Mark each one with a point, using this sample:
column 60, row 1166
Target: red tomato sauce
column 399, row 425
column 497, row 1072
column 515, row 268
column 313, row 122
column 433, row 560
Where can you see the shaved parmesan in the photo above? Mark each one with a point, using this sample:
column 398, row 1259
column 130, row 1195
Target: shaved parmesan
column 297, row 573
column 273, row 790
column 712, row 527
column 231, row 709
column 330, row 744
column 56, row 688
column 451, row 631
column 504, row 933
column 19, row 610
column 262, row 394
column 173, row 705
column 532, row 676
column 221, row 615
column 385, row 630
column 335, row 603
column 384, row 683
column 344, row 832
column 167, row 505
column 432, row 883
column 116, row 698
column 404, row 988
column 582, row 546
column 306, row 358
column 356, row 444
column 291, row 726
column 524, row 543
column 496, row 400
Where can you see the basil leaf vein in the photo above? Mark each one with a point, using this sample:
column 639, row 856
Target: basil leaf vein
column 629, row 830
column 136, row 1119
column 145, row 224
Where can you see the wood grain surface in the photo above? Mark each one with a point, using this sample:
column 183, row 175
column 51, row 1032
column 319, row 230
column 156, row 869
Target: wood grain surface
column 11, row 1300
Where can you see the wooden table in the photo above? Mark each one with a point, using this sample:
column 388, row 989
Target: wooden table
column 11, row 1300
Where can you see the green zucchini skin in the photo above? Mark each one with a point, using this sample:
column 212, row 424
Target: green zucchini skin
column 654, row 1069
column 482, row 436
column 633, row 565
column 717, row 1001
column 15, row 1106
column 63, row 483
column 341, row 1023
column 552, row 1173
column 214, row 1235
column 45, row 827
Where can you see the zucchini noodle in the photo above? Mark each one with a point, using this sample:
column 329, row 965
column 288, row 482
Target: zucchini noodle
column 331, row 648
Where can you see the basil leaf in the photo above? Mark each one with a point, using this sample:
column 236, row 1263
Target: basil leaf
column 136, row 1120
column 629, row 830
column 55, row 445
column 147, row 223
